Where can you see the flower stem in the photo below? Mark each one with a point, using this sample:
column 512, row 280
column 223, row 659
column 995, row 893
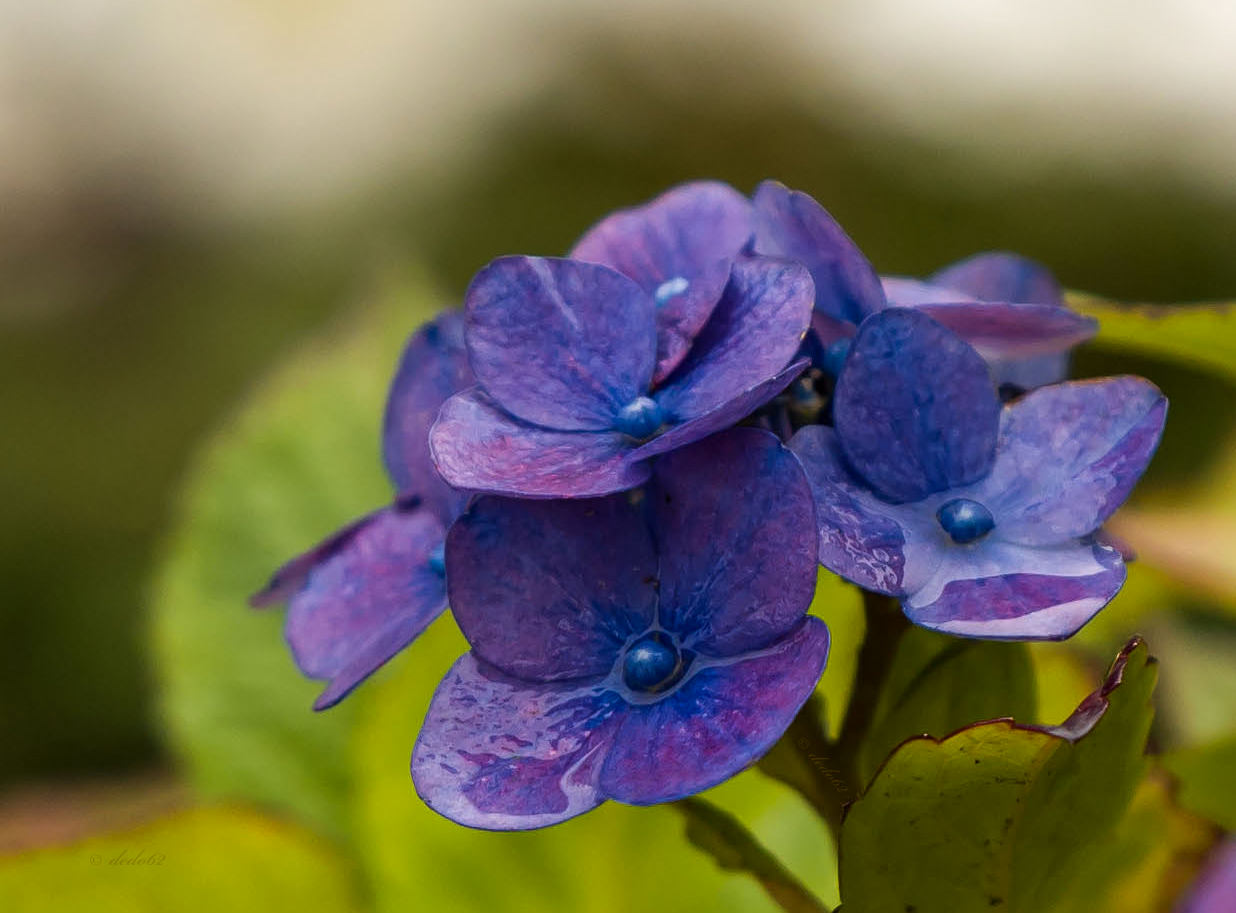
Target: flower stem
column 804, row 760
column 735, row 849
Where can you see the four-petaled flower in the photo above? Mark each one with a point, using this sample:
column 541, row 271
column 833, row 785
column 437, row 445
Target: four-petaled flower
column 981, row 519
column 1009, row 308
column 636, row 648
column 369, row 590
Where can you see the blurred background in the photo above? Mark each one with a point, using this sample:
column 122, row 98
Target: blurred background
column 191, row 191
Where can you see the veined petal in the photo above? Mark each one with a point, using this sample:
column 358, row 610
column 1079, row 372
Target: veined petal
column 735, row 526
column 791, row 224
column 1002, row 331
column 477, row 446
column 434, row 365
column 722, row 719
column 502, row 754
column 889, row 548
column 915, row 408
column 1068, row 456
column 754, row 332
column 1002, row 591
column 549, row 590
column 560, row 343
column 360, row 597
column 678, row 247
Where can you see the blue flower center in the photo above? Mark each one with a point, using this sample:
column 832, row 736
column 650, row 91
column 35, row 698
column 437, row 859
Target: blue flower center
column 669, row 288
column 652, row 664
column 965, row 520
column 437, row 559
column 640, row 418
column 834, row 356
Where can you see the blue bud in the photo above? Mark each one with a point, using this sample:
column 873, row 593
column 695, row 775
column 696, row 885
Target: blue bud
column 965, row 520
column 437, row 559
column 640, row 418
column 834, row 356
column 651, row 664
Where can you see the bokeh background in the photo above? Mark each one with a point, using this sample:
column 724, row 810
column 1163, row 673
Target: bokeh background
column 194, row 194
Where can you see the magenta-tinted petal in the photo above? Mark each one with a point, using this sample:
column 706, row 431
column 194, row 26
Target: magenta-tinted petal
column 502, row 754
column 361, row 596
column 1215, row 888
column 549, row 590
column 1068, row 456
column 735, row 528
column 722, row 417
column 754, row 332
column 477, row 446
column 433, row 367
column 1003, row 331
column 902, row 292
column 877, row 545
column 723, row 718
column 1001, row 276
column 791, row 224
column 560, row 343
column 678, row 247
column 915, row 409
column 1002, row 591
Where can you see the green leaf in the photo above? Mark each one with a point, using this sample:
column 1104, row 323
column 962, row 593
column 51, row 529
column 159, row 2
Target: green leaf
column 1144, row 861
column 210, row 859
column 998, row 816
column 1207, row 778
column 299, row 460
column 938, row 684
column 1196, row 334
column 614, row 858
column 840, row 605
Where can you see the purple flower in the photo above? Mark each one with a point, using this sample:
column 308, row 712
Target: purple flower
column 1009, row 308
column 634, row 647
column 567, row 356
column 981, row 519
column 1214, row 891
column 369, row 590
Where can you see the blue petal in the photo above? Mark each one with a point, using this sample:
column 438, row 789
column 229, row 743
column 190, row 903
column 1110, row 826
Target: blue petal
column 560, row 343
column 1001, row 276
column 915, row 409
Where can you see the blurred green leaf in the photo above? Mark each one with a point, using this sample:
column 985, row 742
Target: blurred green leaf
column 209, row 860
column 1145, row 861
column 938, row 684
column 299, row 460
column 1207, row 778
column 840, row 605
column 615, row 858
column 996, row 815
column 1197, row 334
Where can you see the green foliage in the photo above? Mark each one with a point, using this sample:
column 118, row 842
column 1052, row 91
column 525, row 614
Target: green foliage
column 299, row 461
column 1207, row 778
column 937, row 684
column 996, row 815
column 209, row 860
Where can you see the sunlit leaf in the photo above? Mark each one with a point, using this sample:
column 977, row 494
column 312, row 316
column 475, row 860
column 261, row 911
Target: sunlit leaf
column 998, row 816
column 1207, row 778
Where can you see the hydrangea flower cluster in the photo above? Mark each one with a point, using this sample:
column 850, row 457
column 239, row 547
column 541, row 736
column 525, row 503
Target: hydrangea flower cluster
column 622, row 469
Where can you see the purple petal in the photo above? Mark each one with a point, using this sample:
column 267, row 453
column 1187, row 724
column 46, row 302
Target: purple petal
column 1068, row 456
column 680, row 245
column 1003, row 591
column 433, row 367
column 889, row 548
column 723, row 416
column 904, row 292
column 502, row 754
column 736, row 533
column 754, row 332
column 360, row 597
column 791, row 224
column 1215, row 889
column 999, row 276
column 722, row 719
column 477, row 446
column 915, row 409
column 560, row 343
column 550, row 590
column 1003, row 331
